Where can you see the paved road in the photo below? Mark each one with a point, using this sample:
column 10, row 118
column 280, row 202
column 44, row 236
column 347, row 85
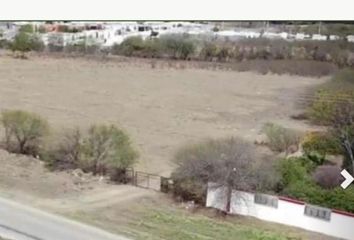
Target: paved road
column 21, row 222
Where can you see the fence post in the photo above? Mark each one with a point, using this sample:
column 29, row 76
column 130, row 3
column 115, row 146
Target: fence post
column 148, row 180
column 135, row 178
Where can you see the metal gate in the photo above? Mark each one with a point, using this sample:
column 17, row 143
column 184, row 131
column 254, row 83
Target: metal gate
column 147, row 180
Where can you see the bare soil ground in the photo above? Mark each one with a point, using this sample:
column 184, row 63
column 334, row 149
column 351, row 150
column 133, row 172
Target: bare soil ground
column 161, row 107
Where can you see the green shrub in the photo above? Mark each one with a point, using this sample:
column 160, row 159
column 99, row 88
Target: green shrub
column 178, row 47
column 24, row 131
column 107, row 147
column 129, row 46
column 322, row 143
column 297, row 182
column 336, row 198
column 24, row 42
column 343, row 80
column 28, row 28
column 322, row 108
column 280, row 138
column 189, row 189
column 293, row 170
column 152, row 48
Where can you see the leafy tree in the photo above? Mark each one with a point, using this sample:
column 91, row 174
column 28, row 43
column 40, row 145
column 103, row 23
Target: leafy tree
column 28, row 28
column 24, row 131
column 107, row 147
column 24, row 42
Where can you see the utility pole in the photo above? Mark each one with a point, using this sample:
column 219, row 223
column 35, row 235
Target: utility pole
column 319, row 27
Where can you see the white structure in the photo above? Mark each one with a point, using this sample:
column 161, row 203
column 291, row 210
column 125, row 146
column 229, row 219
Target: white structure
column 285, row 211
column 334, row 37
column 350, row 38
column 319, row 37
column 302, row 36
column 272, row 35
column 240, row 34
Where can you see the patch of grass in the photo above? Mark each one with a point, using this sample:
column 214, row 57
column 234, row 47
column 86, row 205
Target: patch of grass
column 176, row 225
column 148, row 222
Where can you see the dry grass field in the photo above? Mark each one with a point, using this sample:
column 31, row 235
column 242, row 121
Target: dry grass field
column 161, row 108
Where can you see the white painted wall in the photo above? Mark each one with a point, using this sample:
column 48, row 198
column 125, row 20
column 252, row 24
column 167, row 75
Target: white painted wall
column 287, row 213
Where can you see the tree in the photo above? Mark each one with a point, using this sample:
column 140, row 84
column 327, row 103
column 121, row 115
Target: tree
column 226, row 162
column 342, row 128
column 21, row 43
column 24, row 131
column 106, row 146
column 25, row 42
column 28, row 28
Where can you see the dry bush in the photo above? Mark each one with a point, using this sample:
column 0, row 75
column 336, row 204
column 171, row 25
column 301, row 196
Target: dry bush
column 66, row 153
column 226, row 162
column 280, row 139
column 327, row 176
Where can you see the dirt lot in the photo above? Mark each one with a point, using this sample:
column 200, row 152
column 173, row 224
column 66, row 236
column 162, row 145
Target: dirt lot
column 162, row 108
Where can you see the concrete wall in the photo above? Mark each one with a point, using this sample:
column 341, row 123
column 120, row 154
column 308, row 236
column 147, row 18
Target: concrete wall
column 288, row 212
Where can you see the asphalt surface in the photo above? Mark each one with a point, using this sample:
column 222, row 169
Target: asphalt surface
column 19, row 222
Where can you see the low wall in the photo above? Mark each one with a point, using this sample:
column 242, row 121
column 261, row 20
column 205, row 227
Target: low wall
column 285, row 211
